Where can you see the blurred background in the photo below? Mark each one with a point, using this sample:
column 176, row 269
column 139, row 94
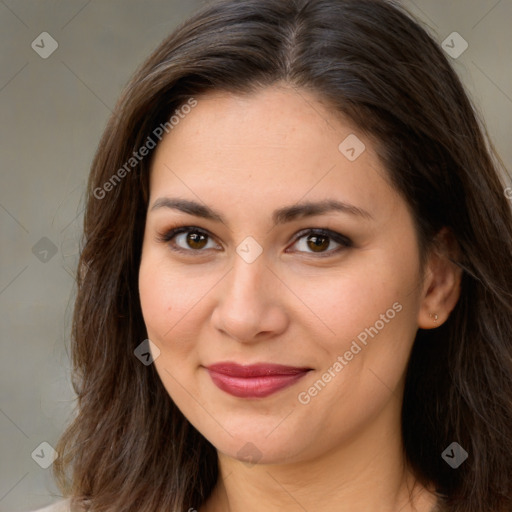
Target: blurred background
column 62, row 67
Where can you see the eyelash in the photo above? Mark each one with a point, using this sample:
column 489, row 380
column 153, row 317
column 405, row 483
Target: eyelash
column 340, row 239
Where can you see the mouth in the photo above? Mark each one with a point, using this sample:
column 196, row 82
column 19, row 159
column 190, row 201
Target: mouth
column 254, row 381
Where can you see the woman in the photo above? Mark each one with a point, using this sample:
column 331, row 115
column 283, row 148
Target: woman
column 295, row 286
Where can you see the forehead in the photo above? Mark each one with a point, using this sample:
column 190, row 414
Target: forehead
column 273, row 146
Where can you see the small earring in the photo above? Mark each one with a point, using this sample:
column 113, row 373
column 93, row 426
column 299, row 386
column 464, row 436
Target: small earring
column 435, row 316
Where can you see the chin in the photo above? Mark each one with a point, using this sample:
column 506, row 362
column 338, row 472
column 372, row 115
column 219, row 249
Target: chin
column 249, row 445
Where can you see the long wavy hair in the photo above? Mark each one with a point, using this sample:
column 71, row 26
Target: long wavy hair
column 129, row 448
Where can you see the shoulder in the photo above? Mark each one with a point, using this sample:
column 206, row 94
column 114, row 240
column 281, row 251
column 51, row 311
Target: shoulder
column 59, row 506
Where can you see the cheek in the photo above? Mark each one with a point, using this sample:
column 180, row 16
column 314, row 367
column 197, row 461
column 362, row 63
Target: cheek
column 371, row 312
column 373, row 316
column 166, row 303
column 172, row 302
column 164, row 296
column 345, row 303
column 156, row 298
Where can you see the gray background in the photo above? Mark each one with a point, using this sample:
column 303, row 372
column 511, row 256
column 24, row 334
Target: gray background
column 53, row 112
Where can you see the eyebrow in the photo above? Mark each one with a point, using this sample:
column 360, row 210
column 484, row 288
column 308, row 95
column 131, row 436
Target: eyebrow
column 279, row 216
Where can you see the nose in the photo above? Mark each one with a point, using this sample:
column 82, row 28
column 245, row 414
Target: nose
column 250, row 304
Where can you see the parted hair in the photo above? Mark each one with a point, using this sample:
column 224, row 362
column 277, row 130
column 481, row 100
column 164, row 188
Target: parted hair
column 128, row 447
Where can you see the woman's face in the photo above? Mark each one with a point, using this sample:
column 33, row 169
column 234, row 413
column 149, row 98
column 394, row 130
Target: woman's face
column 257, row 288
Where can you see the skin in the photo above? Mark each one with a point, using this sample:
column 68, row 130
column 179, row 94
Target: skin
column 246, row 156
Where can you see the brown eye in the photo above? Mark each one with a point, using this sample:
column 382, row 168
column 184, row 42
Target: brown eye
column 196, row 240
column 318, row 243
column 188, row 239
column 321, row 241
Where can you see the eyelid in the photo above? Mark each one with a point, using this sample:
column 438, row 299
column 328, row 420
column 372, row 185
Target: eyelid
column 169, row 234
column 343, row 241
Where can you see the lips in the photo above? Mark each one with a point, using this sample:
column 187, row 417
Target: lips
column 254, row 381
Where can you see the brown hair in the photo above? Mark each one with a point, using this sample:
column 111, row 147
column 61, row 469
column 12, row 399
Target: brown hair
column 129, row 447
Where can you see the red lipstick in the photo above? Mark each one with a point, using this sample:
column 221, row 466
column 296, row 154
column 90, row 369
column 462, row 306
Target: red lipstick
column 254, row 381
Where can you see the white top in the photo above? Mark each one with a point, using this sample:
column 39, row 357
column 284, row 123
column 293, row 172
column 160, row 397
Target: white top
column 59, row 506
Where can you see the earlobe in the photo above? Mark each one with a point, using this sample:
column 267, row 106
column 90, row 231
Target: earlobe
column 434, row 316
column 442, row 282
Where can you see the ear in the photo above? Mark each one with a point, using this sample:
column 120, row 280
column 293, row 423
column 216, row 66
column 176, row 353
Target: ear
column 442, row 278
